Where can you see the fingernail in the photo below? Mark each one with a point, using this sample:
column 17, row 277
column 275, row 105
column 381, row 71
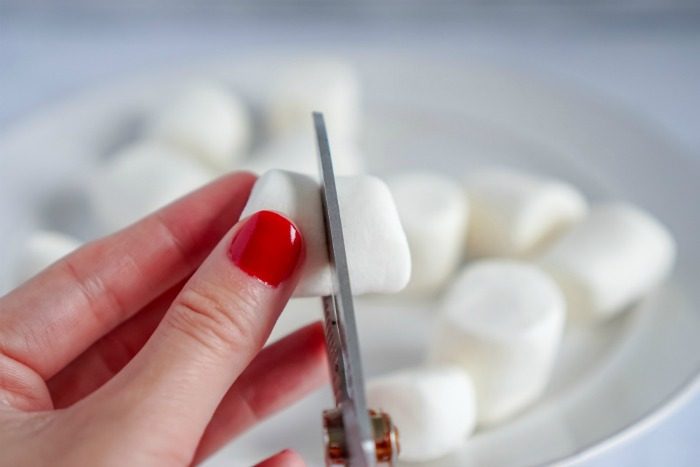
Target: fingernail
column 267, row 247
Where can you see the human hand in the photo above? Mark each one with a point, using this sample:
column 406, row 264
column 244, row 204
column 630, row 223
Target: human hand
column 143, row 348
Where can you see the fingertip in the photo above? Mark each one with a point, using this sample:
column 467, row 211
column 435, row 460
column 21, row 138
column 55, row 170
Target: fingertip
column 286, row 458
column 239, row 178
column 246, row 174
column 315, row 339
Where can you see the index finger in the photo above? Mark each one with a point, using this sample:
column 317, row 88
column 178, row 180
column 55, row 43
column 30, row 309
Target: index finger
column 54, row 317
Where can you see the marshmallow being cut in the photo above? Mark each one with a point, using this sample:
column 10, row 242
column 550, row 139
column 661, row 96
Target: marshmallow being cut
column 378, row 256
column 434, row 212
column 328, row 86
column 39, row 250
column 206, row 121
column 609, row 261
column 140, row 179
column 297, row 152
column 502, row 322
column 516, row 213
column 433, row 409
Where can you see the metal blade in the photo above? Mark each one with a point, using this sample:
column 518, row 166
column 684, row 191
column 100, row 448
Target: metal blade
column 341, row 330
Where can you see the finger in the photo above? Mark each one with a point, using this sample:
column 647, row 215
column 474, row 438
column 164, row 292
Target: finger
column 107, row 356
column 55, row 316
column 281, row 374
column 286, row 458
column 213, row 329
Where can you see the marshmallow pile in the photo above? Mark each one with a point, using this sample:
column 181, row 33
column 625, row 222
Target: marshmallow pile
column 206, row 129
column 505, row 257
column 511, row 256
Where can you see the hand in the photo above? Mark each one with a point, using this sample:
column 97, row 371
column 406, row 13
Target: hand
column 143, row 348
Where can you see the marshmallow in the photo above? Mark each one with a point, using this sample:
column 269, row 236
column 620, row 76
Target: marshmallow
column 376, row 246
column 610, row 260
column 434, row 212
column 140, row 179
column 330, row 86
column 515, row 213
column 206, row 121
column 432, row 408
column 39, row 250
column 502, row 322
column 297, row 152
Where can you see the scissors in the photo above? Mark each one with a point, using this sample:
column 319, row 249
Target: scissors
column 354, row 436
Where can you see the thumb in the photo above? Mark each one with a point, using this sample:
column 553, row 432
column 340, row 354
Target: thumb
column 213, row 329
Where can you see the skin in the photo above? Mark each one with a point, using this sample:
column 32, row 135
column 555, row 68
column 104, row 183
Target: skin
column 144, row 347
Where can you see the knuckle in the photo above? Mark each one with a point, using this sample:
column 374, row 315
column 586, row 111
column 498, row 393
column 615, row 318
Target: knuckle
column 22, row 387
column 97, row 292
column 222, row 320
column 175, row 240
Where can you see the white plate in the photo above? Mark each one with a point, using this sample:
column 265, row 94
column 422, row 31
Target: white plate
column 608, row 384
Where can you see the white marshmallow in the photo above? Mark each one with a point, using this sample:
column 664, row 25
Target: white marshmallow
column 141, row 178
column 297, row 152
column 434, row 212
column 376, row 246
column 39, row 250
column 207, row 121
column 515, row 213
column 502, row 322
column 433, row 409
column 328, row 86
column 610, row 260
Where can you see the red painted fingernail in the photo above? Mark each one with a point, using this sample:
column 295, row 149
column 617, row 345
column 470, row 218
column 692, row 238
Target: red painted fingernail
column 267, row 247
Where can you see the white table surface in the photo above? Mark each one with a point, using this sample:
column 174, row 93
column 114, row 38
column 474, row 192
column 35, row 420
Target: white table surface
column 649, row 64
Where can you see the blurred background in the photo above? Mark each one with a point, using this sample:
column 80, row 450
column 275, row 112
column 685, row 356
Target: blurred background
column 641, row 53
column 643, row 56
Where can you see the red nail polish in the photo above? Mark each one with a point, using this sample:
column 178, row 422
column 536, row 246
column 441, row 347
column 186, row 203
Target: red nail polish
column 267, row 247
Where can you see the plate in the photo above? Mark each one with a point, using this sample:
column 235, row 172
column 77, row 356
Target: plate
column 609, row 383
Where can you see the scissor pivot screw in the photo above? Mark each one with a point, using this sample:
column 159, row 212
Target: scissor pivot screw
column 386, row 437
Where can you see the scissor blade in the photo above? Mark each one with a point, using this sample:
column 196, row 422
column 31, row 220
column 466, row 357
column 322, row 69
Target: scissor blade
column 341, row 330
